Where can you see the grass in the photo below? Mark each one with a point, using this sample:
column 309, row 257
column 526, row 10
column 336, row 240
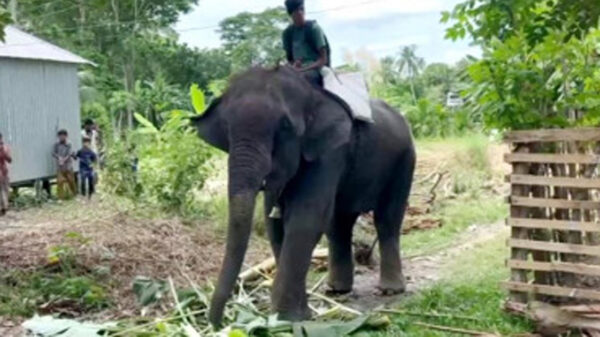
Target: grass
column 469, row 296
column 22, row 293
column 457, row 216
column 467, row 163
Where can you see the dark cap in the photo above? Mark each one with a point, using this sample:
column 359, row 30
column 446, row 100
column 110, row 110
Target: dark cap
column 293, row 5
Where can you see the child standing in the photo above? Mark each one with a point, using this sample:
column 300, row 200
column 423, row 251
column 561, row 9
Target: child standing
column 87, row 158
column 65, row 180
column 5, row 159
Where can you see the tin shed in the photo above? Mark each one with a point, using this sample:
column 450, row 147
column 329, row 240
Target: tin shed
column 39, row 95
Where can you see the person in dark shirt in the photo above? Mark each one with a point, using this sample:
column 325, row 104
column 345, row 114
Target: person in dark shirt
column 305, row 43
column 87, row 159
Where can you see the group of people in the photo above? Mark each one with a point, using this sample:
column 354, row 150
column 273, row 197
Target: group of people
column 64, row 155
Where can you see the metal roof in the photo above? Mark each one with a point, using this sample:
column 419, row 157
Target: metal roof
column 21, row 45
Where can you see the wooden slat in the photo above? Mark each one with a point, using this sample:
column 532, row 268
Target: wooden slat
column 553, row 135
column 554, row 203
column 552, row 290
column 524, row 179
column 542, row 158
column 575, row 268
column 516, row 232
column 555, row 247
column 554, row 224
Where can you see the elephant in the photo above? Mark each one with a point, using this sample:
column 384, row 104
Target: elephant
column 322, row 169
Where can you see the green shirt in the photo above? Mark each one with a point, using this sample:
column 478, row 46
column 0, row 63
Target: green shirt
column 301, row 47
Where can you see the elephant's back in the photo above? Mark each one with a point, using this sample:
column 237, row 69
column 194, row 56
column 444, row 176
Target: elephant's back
column 378, row 150
column 390, row 127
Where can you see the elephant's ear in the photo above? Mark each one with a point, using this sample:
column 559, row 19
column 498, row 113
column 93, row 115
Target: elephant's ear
column 328, row 128
column 211, row 127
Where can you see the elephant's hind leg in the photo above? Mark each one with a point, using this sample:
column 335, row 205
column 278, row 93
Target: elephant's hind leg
column 341, row 264
column 388, row 222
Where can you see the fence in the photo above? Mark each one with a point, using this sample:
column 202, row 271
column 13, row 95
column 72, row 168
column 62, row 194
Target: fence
column 554, row 215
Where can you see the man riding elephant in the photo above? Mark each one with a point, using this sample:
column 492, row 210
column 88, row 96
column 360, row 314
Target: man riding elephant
column 305, row 44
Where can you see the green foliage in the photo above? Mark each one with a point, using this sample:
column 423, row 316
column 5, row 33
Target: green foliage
column 148, row 291
column 466, row 298
column 65, row 284
column 469, row 171
column 153, row 98
column 23, row 293
column 410, row 64
column 427, row 119
column 538, row 66
column 420, row 93
column 548, row 85
column 5, row 20
column 218, row 87
column 164, row 164
column 254, row 38
column 119, row 176
column 173, row 163
column 198, row 100
column 486, row 20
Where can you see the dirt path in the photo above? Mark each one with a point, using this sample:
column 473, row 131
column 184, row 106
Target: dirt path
column 420, row 271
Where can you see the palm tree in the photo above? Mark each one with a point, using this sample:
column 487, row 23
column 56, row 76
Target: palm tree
column 411, row 64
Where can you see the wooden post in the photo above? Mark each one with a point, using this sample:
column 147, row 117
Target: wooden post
column 541, row 277
column 517, row 232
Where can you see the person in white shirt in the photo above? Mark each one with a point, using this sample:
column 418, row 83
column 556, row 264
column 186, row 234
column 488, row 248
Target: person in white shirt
column 89, row 131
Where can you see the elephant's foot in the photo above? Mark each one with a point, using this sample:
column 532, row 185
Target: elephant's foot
column 390, row 287
column 295, row 315
column 340, row 283
column 337, row 292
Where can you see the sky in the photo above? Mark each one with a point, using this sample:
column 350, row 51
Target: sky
column 380, row 27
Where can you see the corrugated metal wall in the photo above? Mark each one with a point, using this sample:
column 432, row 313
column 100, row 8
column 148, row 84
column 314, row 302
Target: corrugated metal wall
column 37, row 98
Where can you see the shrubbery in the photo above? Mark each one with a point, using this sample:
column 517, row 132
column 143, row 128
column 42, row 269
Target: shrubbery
column 172, row 162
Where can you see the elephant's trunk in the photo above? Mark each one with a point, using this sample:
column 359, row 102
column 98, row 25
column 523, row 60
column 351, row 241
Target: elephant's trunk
column 245, row 177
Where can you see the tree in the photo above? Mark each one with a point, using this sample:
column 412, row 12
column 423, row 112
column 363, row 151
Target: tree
column 180, row 64
column 106, row 31
column 486, row 20
column 412, row 65
column 440, row 75
column 539, row 61
column 5, row 20
column 254, row 38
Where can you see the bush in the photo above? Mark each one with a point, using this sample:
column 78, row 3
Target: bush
column 428, row 119
column 172, row 162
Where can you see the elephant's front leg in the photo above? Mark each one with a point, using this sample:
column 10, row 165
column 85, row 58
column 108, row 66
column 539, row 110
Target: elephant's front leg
column 289, row 290
column 308, row 212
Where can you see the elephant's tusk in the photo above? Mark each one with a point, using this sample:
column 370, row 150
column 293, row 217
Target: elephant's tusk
column 275, row 213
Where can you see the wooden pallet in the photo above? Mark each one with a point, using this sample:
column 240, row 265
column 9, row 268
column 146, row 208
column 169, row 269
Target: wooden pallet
column 554, row 214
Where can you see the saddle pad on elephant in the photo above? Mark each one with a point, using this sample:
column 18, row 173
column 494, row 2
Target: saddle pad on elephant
column 352, row 89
